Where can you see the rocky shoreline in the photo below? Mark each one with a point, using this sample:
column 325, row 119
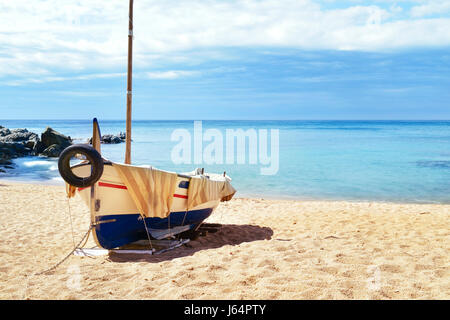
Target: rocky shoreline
column 16, row 143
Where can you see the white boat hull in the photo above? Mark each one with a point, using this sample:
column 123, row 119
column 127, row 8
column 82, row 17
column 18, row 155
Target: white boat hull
column 117, row 220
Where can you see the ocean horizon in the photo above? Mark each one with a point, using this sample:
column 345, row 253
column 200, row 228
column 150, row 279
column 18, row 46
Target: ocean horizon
column 353, row 160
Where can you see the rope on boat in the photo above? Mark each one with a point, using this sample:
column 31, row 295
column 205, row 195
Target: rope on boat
column 148, row 235
column 66, row 257
column 71, row 224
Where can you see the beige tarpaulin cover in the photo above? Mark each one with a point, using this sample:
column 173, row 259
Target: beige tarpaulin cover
column 151, row 189
column 70, row 190
column 201, row 190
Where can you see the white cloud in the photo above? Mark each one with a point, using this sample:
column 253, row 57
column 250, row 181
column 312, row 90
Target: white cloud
column 175, row 74
column 49, row 37
column 430, row 8
column 45, row 79
column 171, row 74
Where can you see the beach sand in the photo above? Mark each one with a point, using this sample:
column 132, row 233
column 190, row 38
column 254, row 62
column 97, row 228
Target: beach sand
column 267, row 249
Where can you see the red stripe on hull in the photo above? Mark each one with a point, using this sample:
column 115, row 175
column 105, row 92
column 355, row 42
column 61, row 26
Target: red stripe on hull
column 110, row 185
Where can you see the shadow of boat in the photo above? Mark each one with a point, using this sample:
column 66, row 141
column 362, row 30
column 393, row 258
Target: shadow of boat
column 229, row 234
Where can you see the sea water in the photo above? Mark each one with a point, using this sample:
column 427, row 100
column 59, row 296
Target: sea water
column 400, row 161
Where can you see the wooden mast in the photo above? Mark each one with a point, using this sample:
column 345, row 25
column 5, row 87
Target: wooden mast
column 129, row 86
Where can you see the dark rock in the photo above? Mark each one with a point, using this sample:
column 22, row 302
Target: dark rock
column 20, row 148
column 17, row 135
column 30, row 144
column 21, row 130
column 20, row 135
column 9, row 150
column 4, row 131
column 53, row 151
column 38, row 147
column 4, row 150
column 111, row 139
column 5, row 162
column 107, row 138
column 16, row 143
column 50, row 137
column 116, row 140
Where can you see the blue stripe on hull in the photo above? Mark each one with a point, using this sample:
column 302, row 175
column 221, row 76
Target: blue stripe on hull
column 128, row 228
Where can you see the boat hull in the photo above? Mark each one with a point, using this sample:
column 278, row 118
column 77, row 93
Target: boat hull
column 117, row 220
column 113, row 231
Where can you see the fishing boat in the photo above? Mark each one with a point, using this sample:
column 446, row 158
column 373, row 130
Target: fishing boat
column 130, row 203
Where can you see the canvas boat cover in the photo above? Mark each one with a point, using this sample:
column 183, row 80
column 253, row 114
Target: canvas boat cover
column 207, row 187
column 152, row 189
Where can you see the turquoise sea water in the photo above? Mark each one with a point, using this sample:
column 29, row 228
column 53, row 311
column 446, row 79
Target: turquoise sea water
column 399, row 161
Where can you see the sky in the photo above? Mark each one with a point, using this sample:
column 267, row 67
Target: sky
column 215, row 59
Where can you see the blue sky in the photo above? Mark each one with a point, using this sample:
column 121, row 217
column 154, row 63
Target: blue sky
column 254, row 59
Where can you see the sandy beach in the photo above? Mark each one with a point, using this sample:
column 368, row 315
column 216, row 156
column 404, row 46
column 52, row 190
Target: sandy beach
column 266, row 249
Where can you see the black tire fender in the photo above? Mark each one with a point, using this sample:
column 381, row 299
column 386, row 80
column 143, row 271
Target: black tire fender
column 94, row 157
